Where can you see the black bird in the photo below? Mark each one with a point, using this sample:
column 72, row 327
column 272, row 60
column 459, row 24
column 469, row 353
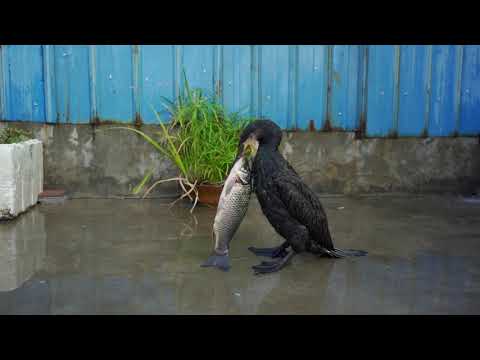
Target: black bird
column 290, row 206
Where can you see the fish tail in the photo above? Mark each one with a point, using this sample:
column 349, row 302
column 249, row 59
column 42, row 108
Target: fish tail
column 221, row 262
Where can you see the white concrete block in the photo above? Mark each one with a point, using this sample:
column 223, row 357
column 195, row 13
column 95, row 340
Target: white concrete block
column 21, row 177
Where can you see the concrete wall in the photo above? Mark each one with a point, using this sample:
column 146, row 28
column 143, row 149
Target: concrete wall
column 112, row 163
column 338, row 163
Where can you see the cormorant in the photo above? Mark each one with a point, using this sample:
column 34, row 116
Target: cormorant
column 291, row 207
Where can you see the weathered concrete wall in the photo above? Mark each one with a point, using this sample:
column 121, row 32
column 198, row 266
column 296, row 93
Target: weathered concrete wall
column 112, row 163
column 88, row 163
column 338, row 163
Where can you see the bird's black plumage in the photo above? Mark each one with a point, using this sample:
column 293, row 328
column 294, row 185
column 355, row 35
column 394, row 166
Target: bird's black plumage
column 290, row 206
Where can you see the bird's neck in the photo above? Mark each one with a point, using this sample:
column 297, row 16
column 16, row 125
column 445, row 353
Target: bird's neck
column 268, row 159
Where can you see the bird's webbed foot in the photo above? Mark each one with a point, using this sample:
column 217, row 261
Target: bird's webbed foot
column 273, row 266
column 275, row 252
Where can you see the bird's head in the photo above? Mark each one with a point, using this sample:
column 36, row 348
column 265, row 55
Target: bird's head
column 260, row 133
column 249, row 148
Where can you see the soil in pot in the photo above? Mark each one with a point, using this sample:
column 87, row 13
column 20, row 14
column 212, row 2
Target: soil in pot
column 209, row 194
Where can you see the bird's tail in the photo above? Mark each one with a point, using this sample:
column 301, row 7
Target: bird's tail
column 341, row 253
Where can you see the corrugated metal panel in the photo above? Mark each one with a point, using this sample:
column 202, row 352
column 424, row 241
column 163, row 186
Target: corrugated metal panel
column 237, row 78
column 470, row 93
column 114, row 79
column 72, row 93
column 157, row 80
column 391, row 90
column 312, row 86
column 443, row 110
column 3, row 109
column 346, row 81
column 49, row 82
column 382, row 65
column 24, row 87
column 413, row 94
column 199, row 64
column 274, row 83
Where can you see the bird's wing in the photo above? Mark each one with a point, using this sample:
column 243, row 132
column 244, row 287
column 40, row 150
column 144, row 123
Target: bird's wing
column 290, row 167
column 304, row 205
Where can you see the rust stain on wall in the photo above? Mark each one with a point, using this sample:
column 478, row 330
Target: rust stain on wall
column 362, row 127
column 138, row 121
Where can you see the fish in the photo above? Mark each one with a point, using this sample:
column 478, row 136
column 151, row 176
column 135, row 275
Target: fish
column 232, row 207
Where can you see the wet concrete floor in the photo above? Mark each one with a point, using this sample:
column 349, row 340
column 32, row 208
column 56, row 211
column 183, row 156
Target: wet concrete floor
column 140, row 257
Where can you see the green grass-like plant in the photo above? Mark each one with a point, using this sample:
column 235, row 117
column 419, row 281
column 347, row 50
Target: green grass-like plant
column 201, row 140
column 11, row 135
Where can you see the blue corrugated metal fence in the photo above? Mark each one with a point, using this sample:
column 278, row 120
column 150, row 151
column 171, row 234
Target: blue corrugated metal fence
column 378, row 90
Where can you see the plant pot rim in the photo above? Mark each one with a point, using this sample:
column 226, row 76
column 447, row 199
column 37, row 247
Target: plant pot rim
column 210, row 185
column 209, row 193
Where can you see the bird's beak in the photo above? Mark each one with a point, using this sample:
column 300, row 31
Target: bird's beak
column 250, row 147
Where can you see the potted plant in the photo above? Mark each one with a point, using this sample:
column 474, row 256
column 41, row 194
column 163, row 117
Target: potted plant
column 21, row 171
column 201, row 140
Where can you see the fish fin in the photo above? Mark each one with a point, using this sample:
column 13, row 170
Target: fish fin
column 229, row 186
column 219, row 261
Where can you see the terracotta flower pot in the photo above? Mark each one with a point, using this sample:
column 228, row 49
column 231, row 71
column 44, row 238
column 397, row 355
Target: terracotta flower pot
column 209, row 194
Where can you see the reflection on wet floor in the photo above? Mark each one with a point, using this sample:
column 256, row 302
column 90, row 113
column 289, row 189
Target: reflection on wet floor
column 22, row 249
column 140, row 257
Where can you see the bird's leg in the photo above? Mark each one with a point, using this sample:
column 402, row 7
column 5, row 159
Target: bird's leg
column 273, row 266
column 297, row 237
column 275, row 252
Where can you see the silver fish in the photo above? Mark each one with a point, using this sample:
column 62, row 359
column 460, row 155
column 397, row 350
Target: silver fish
column 232, row 207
